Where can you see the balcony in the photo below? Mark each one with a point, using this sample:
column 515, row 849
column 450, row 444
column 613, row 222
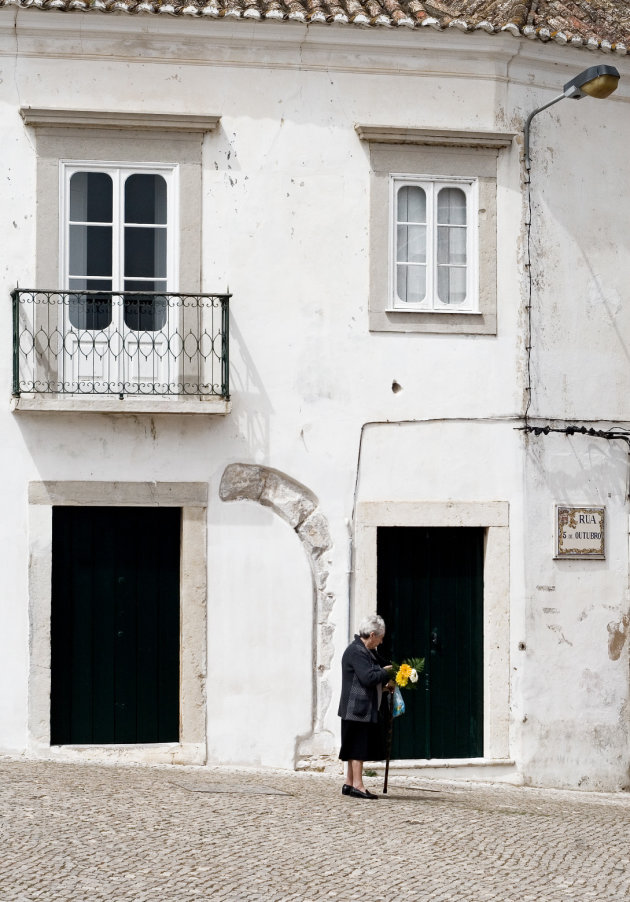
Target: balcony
column 120, row 352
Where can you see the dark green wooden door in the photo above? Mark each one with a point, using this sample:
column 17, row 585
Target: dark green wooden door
column 115, row 625
column 430, row 593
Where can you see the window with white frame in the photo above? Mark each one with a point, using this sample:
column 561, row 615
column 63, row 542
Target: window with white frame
column 433, row 265
column 117, row 235
column 429, row 158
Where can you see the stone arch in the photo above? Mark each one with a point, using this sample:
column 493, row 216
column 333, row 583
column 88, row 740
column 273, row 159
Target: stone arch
column 298, row 506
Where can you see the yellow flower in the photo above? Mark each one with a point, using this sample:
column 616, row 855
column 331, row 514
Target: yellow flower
column 402, row 677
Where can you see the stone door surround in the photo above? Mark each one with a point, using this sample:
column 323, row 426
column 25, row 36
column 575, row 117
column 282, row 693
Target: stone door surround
column 494, row 517
column 192, row 498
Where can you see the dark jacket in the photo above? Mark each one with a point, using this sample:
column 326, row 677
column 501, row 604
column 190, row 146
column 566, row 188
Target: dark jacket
column 360, row 677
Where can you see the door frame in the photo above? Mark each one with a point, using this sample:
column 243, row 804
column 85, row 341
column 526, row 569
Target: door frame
column 493, row 516
column 192, row 498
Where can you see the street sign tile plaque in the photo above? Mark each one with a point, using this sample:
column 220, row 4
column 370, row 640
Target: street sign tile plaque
column 580, row 532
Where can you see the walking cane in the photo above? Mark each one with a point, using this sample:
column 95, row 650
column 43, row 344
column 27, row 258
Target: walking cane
column 390, row 730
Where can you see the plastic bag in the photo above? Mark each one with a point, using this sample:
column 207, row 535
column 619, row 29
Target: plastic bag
column 398, row 703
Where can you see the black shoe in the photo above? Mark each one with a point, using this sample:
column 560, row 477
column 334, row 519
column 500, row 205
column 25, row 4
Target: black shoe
column 357, row 794
column 345, row 789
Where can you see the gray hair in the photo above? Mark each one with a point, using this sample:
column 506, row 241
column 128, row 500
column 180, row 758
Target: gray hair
column 372, row 624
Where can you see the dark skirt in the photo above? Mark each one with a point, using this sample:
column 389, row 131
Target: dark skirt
column 362, row 741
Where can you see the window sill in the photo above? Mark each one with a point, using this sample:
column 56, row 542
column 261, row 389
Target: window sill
column 448, row 312
column 449, row 322
column 146, row 405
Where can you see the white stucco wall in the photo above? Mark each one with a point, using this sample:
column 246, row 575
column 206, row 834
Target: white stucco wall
column 572, row 687
column 260, row 670
column 285, row 228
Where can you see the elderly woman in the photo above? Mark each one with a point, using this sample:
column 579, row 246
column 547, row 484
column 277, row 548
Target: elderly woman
column 362, row 682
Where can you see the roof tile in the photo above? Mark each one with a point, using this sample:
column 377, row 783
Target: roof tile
column 603, row 25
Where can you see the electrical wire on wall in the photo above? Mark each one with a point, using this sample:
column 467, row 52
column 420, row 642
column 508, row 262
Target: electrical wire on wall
column 528, row 308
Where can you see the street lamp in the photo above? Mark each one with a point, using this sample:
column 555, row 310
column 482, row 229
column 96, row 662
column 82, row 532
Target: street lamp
column 596, row 81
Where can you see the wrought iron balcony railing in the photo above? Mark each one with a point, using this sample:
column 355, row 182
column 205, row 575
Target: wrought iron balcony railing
column 130, row 343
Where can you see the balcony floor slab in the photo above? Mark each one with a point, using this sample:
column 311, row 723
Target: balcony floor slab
column 130, row 405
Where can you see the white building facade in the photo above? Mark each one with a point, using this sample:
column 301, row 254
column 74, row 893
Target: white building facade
column 322, row 319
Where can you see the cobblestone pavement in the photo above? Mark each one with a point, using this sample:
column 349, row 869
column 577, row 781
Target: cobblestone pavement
column 85, row 832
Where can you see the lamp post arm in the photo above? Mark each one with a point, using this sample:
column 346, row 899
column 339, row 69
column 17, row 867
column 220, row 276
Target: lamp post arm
column 528, row 122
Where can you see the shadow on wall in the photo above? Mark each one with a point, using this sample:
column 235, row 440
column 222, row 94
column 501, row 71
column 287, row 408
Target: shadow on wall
column 130, row 446
column 251, row 404
column 579, row 466
column 580, row 270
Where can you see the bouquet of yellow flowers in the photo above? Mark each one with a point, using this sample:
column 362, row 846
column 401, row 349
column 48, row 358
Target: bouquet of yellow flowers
column 406, row 675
